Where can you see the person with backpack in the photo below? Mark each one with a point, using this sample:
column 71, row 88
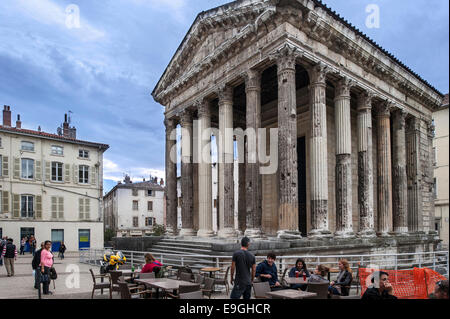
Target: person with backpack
column 10, row 255
column 2, row 244
column 35, row 265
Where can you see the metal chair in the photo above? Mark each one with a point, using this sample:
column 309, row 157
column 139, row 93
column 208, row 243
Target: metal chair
column 260, row 289
column 127, row 292
column 184, row 276
column 147, row 275
column 192, row 295
column 199, row 279
column 208, row 289
column 224, row 281
column 184, row 269
column 100, row 285
column 283, row 281
column 183, row 290
column 320, row 288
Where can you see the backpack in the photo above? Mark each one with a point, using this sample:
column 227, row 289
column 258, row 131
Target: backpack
column 53, row 274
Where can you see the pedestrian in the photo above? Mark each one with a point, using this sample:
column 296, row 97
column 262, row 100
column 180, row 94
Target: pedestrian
column 22, row 246
column 242, row 261
column 62, row 249
column 10, row 255
column 2, row 244
column 33, row 245
column 46, row 264
column 35, row 265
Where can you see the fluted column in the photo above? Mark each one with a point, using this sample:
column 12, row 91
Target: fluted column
column 242, row 203
column 399, row 178
column 171, row 178
column 384, row 170
column 226, row 163
column 204, row 170
column 253, row 177
column 318, row 152
column 287, row 144
column 414, row 175
column 187, row 186
column 365, row 166
column 343, row 177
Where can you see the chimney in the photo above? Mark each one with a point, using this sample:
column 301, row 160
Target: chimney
column 65, row 126
column 18, row 122
column 7, row 116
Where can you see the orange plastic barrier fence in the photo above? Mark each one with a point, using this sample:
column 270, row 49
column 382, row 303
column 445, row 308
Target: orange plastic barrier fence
column 418, row 283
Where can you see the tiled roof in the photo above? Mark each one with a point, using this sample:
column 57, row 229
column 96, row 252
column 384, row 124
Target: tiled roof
column 141, row 185
column 22, row 131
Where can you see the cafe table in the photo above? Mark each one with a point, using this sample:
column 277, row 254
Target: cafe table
column 290, row 294
column 164, row 284
column 295, row 280
column 211, row 270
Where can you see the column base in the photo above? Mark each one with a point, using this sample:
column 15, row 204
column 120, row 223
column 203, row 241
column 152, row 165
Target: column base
column 367, row 234
column 254, row 233
column 401, row 231
column 205, row 233
column 187, row 232
column 227, row 233
column 289, row 234
column 319, row 233
column 344, row 234
column 384, row 234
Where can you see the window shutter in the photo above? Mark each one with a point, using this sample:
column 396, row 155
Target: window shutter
column 81, row 208
column 67, row 173
column 87, row 208
column 5, row 166
column 5, row 202
column 61, row 207
column 54, row 207
column 47, row 170
column 93, row 175
column 16, row 206
column 38, row 207
column 38, row 171
column 16, row 168
column 75, row 174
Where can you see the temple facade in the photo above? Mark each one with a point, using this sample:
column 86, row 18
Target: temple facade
column 353, row 127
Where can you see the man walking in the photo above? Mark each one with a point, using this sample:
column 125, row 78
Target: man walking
column 10, row 255
column 242, row 261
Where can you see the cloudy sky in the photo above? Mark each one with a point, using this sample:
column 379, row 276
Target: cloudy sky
column 105, row 69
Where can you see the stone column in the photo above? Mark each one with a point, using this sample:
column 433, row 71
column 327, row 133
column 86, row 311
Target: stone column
column 318, row 152
column 226, row 163
column 400, row 184
column 253, row 179
column 287, row 144
column 384, row 169
column 343, row 177
column 171, row 178
column 242, row 203
column 187, row 186
column 414, row 175
column 365, row 166
column 430, row 166
column 204, row 170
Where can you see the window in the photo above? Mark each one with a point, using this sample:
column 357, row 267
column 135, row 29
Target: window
column 135, row 192
column 150, row 221
column 135, row 221
column 150, row 192
column 27, row 208
column 57, row 172
column 27, row 146
column 83, row 154
column 135, row 205
column 27, row 168
column 83, row 174
column 57, row 150
column 150, row 206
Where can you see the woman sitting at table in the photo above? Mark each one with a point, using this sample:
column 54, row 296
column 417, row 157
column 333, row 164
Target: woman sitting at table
column 300, row 269
column 319, row 275
column 342, row 284
column 150, row 264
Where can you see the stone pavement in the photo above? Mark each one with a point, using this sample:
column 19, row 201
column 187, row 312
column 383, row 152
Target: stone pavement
column 20, row 286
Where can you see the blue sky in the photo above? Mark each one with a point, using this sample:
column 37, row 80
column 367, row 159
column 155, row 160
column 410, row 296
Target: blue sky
column 105, row 70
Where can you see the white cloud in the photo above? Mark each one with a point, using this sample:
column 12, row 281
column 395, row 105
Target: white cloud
column 115, row 172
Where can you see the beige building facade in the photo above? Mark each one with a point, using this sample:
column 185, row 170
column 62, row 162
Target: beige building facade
column 354, row 127
column 441, row 171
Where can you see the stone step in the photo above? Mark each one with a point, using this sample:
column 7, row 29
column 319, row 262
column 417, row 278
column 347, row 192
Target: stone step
column 187, row 245
column 185, row 242
column 180, row 250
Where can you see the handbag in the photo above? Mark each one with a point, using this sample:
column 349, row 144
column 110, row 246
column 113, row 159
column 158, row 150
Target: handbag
column 53, row 275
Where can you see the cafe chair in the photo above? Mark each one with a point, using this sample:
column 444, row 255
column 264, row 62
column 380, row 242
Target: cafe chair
column 208, row 289
column 283, row 281
column 224, row 281
column 127, row 292
column 199, row 279
column 260, row 289
column 100, row 285
column 148, row 275
column 320, row 288
column 192, row 295
column 182, row 290
column 184, row 276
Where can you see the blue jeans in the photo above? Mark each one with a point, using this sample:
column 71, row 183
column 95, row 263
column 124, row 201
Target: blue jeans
column 241, row 290
column 333, row 291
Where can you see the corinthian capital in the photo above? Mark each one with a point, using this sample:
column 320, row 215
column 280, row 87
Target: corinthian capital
column 204, row 108
column 169, row 124
column 186, row 118
column 400, row 117
column 285, row 57
column 365, row 101
column 225, row 93
column 318, row 73
column 252, row 80
column 343, row 87
column 384, row 108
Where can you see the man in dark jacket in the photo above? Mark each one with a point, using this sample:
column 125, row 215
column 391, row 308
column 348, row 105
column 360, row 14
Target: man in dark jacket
column 267, row 271
column 10, row 255
column 380, row 288
column 35, row 264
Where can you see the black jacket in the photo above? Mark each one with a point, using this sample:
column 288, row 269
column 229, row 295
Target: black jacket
column 345, row 282
column 374, row 294
column 36, row 259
